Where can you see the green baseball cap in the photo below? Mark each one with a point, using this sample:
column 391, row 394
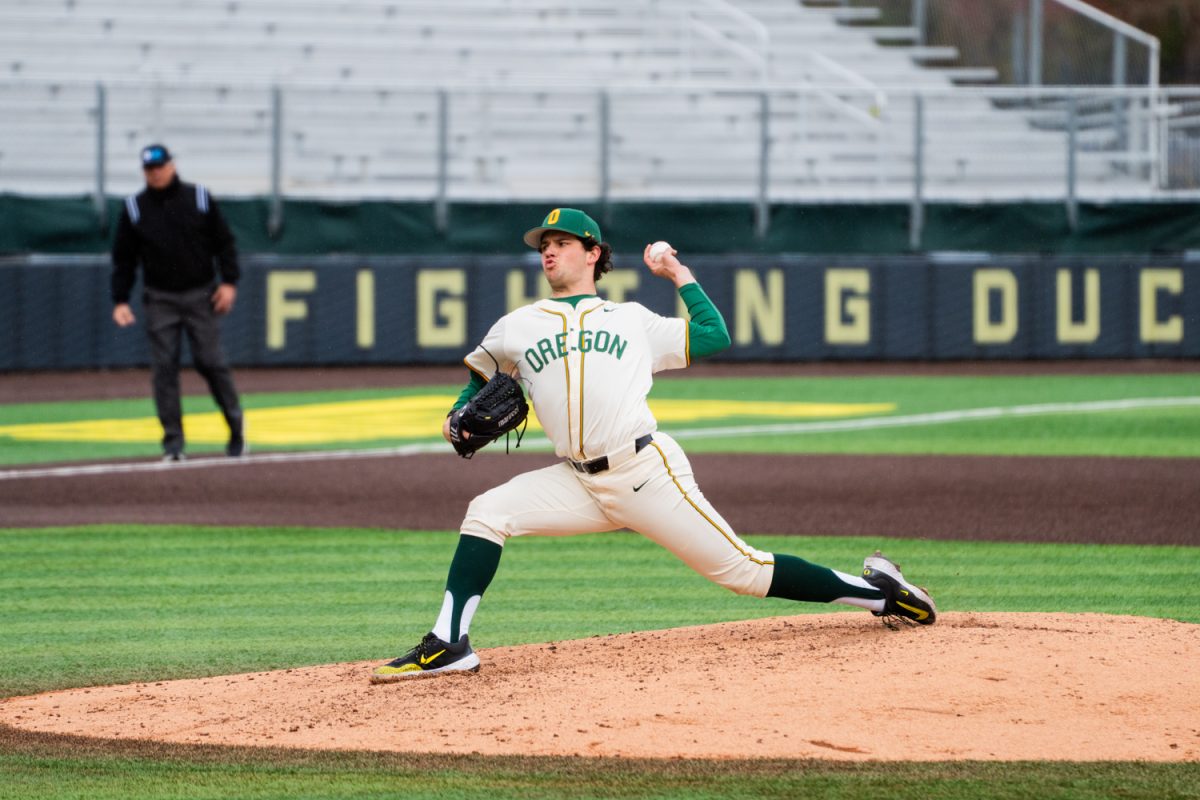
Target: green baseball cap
column 570, row 220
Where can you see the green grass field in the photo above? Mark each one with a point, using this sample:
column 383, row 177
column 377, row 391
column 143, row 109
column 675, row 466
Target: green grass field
column 120, row 604
column 103, row 604
column 1077, row 428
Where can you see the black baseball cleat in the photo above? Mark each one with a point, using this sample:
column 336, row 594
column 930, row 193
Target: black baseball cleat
column 236, row 446
column 430, row 657
column 902, row 600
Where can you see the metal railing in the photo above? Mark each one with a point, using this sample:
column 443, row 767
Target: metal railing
column 764, row 145
column 1048, row 42
column 754, row 54
column 1122, row 33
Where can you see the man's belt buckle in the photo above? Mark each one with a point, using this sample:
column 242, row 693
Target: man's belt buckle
column 601, row 464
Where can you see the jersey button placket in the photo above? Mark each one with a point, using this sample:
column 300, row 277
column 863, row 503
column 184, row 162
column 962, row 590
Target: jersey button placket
column 575, row 359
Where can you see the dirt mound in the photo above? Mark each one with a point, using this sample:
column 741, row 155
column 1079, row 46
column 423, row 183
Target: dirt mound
column 835, row 686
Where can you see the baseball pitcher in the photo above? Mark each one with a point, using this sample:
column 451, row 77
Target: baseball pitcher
column 587, row 365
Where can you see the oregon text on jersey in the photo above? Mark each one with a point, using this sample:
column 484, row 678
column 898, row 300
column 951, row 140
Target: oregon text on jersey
column 585, row 342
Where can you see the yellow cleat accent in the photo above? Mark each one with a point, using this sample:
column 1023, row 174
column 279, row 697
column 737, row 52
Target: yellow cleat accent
column 397, row 670
column 921, row 613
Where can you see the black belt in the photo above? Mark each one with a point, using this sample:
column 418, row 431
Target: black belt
column 600, row 464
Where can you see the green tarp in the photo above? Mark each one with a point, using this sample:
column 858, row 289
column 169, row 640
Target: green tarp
column 71, row 225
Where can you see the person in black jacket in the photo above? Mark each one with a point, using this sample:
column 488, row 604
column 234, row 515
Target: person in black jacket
column 175, row 231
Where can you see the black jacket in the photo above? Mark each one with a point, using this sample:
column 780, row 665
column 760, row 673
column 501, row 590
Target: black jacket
column 176, row 234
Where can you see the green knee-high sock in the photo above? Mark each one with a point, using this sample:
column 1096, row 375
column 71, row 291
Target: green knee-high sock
column 471, row 571
column 797, row 579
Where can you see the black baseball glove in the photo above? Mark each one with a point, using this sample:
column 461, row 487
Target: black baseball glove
column 498, row 408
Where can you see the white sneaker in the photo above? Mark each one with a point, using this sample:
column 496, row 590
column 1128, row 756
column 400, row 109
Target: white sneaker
column 902, row 600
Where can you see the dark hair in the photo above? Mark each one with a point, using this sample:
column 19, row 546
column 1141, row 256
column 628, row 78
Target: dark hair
column 604, row 263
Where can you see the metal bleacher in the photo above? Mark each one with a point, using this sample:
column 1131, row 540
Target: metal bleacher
column 508, row 99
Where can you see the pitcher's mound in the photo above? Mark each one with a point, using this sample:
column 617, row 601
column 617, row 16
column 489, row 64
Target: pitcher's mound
column 834, row 686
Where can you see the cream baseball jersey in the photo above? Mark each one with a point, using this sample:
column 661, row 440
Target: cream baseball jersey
column 587, row 368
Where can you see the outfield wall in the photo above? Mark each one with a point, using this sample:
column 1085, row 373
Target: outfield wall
column 71, row 225
column 325, row 310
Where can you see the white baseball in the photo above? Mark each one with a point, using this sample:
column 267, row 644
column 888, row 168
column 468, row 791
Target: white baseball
column 658, row 250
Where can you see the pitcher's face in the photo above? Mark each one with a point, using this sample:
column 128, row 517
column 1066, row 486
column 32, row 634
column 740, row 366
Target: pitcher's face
column 568, row 266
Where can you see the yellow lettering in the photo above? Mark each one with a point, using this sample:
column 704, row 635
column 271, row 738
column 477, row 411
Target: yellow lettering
column 1150, row 283
column 364, row 333
column 758, row 308
column 617, row 284
column 281, row 308
column 441, row 309
column 514, row 285
column 1005, row 329
column 848, row 291
column 1088, row 329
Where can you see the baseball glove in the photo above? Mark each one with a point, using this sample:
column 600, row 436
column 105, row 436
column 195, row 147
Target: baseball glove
column 496, row 409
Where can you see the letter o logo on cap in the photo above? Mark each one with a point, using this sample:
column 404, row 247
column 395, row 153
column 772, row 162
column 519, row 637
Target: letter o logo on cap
column 552, row 217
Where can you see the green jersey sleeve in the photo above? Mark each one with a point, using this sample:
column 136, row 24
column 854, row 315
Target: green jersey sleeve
column 472, row 388
column 707, row 334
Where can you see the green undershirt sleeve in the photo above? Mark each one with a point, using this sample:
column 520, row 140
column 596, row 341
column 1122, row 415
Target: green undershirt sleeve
column 470, row 390
column 707, row 333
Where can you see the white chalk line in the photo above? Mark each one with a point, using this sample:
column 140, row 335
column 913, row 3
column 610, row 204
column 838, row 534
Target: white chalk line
column 540, row 443
column 939, row 417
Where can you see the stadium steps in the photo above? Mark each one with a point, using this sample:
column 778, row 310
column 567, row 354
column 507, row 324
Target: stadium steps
column 358, row 56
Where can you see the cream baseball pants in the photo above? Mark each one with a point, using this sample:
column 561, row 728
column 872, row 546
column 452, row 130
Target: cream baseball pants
column 652, row 493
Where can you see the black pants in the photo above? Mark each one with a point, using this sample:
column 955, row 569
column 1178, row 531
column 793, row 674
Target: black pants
column 168, row 316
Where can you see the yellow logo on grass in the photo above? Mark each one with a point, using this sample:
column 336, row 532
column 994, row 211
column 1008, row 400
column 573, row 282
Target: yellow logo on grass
column 704, row 410
column 411, row 417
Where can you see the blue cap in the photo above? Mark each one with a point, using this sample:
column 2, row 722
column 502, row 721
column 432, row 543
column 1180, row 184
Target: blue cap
column 155, row 155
